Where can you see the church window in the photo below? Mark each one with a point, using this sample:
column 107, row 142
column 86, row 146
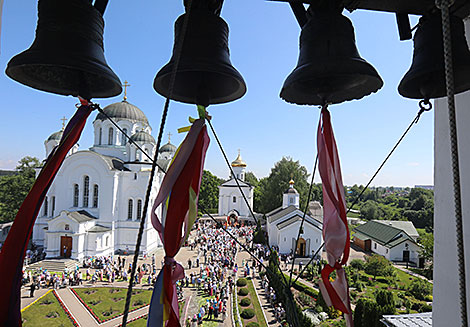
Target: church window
column 135, row 175
column 53, row 206
column 107, row 241
column 124, row 138
column 139, row 209
column 130, row 209
column 86, row 191
column 291, row 200
column 95, row 196
column 146, row 151
column 110, row 136
column 75, row 195
column 45, row 206
column 67, row 227
column 100, row 136
column 234, row 199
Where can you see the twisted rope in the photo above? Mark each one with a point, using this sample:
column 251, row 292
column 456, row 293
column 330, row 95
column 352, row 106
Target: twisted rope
column 449, row 73
column 178, row 52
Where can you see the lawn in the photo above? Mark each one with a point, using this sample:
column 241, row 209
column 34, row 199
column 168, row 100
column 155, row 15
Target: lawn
column 142, row 322
column 106, row 303
column 45, row 312
column 254, row 304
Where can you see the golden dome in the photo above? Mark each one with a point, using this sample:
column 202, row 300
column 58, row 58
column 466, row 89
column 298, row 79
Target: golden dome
column 239, row 161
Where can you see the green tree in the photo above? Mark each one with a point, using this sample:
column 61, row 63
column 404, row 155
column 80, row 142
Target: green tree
column 209, row 191
column 370, row 210
column 15, row 188
column 251, row 178
column 385, row 301
column 27, row 164
column 377, row 265
column 278, row 182
column 367, row 313
column 258, row 236
column 427, row 250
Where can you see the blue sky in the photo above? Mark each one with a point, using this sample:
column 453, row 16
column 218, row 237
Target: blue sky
column 264, row 39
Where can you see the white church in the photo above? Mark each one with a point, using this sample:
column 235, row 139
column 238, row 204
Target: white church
column 231, row 201
column 95, row 204
column 283, row 224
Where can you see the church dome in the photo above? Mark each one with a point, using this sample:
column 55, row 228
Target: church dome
column 123, row 110
column 291, row 189
column 167, row 148
column 143, row 137
column 55, row 136
column 239, row 161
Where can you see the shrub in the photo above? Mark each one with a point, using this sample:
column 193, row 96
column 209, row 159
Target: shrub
column 357, row 264
column 247, row 313
column 420, row 288
column 252, row 324
column 245, row 302
column 241, row 282
column 425, row 308
column 243, row 292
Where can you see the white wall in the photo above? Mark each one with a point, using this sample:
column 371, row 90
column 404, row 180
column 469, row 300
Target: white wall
column 446, row 307
column 283, row 238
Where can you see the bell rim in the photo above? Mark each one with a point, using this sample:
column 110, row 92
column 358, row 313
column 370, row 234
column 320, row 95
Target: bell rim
column 224, row 70
column 355, row 65
column 103, row 71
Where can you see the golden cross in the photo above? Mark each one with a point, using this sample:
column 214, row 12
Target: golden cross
column 125, row 85
column 63, row 122
column 238, row 152
column 169, row 136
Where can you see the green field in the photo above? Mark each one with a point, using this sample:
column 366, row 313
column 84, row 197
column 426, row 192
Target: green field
column 45, row 312
column 109, row 302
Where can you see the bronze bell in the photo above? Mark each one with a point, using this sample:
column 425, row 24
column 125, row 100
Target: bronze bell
column 204, row 74
column 426, row 77
column 330, row 69
column 67, row 55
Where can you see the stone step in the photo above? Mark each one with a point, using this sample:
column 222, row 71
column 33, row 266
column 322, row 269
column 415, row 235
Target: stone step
column 54, row 264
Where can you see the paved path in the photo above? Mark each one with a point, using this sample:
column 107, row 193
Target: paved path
column 78, row 311
column 265, row 305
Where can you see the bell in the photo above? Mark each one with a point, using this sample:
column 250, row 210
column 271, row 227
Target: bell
column 426, row 77
column 67, row 55
column 330, row 69
column 204, row 74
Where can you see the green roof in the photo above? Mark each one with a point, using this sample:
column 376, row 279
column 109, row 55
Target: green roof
column 386, row 235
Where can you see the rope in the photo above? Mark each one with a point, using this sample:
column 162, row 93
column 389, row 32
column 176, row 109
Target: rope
column 424, row 105
column 178, row 51
column 447, row 42
column 303, row 219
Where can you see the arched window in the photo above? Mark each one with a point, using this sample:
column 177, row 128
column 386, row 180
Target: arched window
column 147, row 152
column 139, row 209
column 123, row 137
column 234, row 199
column 130, row 209
column 86, row 191
column 75, row 195
column 110, row 136
column 53, row 206
column 95, row 196
column 45, row 206
column 100, row 136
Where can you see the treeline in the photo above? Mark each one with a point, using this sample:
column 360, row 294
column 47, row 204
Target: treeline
column 415, row 204
column 412, row 204
column 15, row 186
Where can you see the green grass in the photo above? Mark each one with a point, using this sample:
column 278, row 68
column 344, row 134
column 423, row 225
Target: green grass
column 255, row 303
column 142, row 322
column 103, row 300
column 35, row 315
column 235, row 317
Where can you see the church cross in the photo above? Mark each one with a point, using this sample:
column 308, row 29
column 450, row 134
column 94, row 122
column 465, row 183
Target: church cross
column 63, row 122
column 169, row 136
column 125, row 85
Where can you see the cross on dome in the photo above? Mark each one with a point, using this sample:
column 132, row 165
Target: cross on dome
column 125, row 86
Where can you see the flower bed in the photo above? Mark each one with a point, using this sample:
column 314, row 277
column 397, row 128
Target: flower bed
column 67, row 312
column 107, row 302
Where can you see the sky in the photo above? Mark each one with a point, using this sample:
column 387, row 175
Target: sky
column 264, row 46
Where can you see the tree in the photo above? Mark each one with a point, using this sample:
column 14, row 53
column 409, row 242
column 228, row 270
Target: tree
column 258, row 236
column 367, row 313
column 278, row 182
column 427, row 250
column 209, row 191
column 27, row 164
column 378, row 266
column 385, row 301
column 15, row 188
column 370, row 210
column 420, row 288
column 251, row 178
